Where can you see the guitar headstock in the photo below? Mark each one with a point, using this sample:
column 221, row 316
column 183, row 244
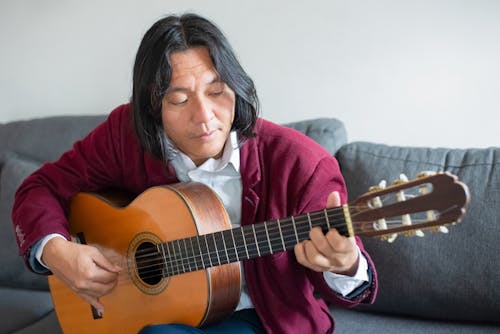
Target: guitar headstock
column 430, row 201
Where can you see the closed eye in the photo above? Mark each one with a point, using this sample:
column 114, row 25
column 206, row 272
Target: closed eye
column 217, row 93
column 178, row 103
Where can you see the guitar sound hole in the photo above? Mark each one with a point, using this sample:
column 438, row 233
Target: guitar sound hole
column 149, row 263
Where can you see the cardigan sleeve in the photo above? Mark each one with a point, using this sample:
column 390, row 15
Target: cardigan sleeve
column 325, row 179
column 41, row 202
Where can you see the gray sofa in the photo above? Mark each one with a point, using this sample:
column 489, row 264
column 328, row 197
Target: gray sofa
column 436, row 284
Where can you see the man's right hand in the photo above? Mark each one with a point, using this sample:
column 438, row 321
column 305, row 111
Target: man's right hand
column 83, row 268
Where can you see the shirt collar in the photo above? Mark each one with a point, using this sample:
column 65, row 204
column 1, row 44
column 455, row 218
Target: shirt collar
column 230, row 155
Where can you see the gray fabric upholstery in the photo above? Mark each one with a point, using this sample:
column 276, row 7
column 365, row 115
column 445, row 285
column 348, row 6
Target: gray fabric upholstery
column 44, row 139
column 351, row 321
column 13, row 272
column 441, row 276
column 23, row 308
column 328, row 132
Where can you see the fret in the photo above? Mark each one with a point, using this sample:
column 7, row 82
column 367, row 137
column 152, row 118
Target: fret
column 295, row 230
column 209, row 254
column 244, row 241
column 262, row 240
column 201, row 252
column 174, row 258
column 221, row 249
column 181, row 255
column 216, row 249
column 327, row 220
column 251, row 246
column 223, row 236
column 195, row 258
column 281, row 235
column 275, row 236
column 343, row 226
column 235, row 248
column 255, row 237
column 303, row 227
column 239, row 243
column 268, row 239
column 187, row 257
column 166, row 270
column 309, row 220
column 289, row 232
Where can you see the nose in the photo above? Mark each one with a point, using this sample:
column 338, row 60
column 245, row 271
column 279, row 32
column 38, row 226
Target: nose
column 202, row 112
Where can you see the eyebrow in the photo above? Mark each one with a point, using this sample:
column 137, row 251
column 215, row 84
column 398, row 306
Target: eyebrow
column 216, row 79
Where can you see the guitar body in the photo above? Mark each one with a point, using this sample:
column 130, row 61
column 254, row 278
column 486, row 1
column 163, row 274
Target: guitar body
column 121, row 230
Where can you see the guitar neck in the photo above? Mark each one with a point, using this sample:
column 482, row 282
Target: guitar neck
column 246, row 242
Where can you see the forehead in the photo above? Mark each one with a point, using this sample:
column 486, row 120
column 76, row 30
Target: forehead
column 193, row 63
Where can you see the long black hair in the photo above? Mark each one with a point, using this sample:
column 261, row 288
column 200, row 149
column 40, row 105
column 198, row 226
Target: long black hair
column 153, row 72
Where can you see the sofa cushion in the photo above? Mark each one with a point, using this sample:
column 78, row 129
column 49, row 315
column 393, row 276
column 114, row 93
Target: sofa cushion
column 23, row 309
column 328, row 132
column 13, row 272
column 440, row 276
column 46, row 138
column 350, row 321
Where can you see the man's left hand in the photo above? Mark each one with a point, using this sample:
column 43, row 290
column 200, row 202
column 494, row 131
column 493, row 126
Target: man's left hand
column 331, row 251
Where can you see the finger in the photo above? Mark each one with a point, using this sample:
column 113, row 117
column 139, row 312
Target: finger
column 104, row 276
column 333, row 200
column 309, row 257
column 339, row 243
column 104, row 263
column 300, row 255
column 320, row 241
column 94, row 289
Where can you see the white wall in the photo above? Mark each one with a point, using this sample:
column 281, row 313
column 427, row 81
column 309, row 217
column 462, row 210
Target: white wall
column 400, row 72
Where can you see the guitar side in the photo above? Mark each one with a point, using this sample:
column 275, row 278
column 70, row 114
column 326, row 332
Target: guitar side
column 159, row 214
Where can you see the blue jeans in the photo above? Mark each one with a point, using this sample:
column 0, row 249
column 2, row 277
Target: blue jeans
column 244, row 322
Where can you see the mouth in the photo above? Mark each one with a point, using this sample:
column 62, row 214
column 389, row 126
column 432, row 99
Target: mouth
column 206, row 135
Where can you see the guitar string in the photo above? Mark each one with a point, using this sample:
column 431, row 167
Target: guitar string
column 270, row 224
column 177, row 263
column 181, row 263
column 182, row 260
column 272, row 227
column 337, row 212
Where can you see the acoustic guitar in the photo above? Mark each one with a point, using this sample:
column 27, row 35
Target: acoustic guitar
column 182, row 256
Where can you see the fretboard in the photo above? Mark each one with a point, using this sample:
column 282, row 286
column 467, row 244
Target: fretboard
column 245, row 242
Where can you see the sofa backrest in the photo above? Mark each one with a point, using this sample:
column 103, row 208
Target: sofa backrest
column 441, row 276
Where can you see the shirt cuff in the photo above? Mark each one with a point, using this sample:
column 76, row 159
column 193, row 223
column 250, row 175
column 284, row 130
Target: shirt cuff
column 35, row 258
column 343, row 284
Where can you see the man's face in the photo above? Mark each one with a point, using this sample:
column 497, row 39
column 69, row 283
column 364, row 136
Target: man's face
column 198, row 108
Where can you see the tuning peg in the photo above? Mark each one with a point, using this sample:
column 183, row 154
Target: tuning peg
column 381, row 185
column 443, row 229
column 389, row 237
column 418, row 233
column 402, row 179
column 435, row 229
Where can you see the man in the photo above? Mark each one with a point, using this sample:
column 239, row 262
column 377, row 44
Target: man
column 193, row 117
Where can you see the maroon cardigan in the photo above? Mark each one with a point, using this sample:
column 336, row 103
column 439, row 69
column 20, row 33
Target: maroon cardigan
column 283, row 173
